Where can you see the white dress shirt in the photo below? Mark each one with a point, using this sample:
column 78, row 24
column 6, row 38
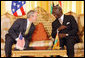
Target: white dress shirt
column 62, row 18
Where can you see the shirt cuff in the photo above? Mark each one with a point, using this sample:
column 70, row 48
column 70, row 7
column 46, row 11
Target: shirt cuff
column 57, row 31
column 16, row 39
column 67, row 34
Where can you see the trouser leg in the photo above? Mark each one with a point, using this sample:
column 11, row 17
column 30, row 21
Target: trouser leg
column 8, row 46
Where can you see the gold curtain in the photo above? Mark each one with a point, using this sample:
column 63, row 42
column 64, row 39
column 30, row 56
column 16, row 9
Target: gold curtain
column 74, row 6
column 3, row 9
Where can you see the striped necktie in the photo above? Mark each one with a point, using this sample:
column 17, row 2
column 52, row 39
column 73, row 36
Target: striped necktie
column 27, row 30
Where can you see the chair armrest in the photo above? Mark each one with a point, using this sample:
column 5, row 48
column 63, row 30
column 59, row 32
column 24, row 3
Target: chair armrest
column 2, row 46
column 41, row 43
column 79, row 46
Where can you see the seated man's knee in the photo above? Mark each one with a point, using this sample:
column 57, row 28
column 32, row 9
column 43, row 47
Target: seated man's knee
column 8, row 39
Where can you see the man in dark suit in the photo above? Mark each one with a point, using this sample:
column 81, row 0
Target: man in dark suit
column 20, row 25
column 67, row 29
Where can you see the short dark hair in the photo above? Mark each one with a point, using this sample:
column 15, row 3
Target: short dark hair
column 57, row 7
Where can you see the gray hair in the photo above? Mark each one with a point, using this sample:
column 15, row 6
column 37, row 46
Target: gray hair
column 30, row 13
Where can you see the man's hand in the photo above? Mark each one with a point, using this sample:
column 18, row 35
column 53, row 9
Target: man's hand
column 20, row 44
column 62, row 35
column 62, row 27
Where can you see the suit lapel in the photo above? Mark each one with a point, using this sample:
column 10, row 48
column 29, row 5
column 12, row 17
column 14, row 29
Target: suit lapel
column 64, row 20
column 58, row 22
column 25, row 25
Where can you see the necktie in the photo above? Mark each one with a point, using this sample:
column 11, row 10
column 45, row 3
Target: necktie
column 60, row 21
column 27, row 30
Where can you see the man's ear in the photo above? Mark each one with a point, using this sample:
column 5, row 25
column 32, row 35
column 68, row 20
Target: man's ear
column 31, row 16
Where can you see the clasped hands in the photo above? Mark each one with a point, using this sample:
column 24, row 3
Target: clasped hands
column 20, row 44
column 62, row 35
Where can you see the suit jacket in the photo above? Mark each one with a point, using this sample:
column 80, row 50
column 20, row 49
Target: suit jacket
column 20, row 26
column 72, row 27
